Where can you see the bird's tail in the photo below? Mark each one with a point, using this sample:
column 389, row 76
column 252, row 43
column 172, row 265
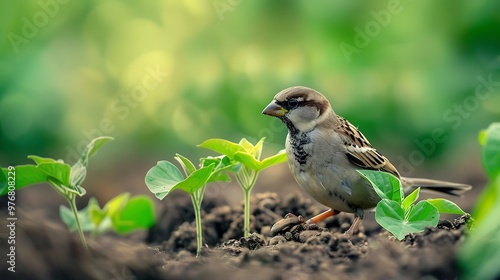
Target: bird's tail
column 410, row 184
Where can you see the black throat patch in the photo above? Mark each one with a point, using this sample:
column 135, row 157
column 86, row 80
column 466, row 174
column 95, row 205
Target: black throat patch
column 298, row 148
column 297, row 142
column 291, row 128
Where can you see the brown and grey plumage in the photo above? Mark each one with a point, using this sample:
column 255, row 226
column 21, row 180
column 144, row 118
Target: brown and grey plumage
column 325, row 151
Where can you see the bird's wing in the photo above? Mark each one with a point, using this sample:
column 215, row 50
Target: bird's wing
column 360, row 152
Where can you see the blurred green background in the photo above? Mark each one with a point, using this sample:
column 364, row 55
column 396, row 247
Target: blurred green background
column 162, row 76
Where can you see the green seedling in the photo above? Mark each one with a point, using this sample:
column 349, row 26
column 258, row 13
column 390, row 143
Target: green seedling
column 400, row 215
column 479, row 255
column 65, row 179
column 245, row 164
column 489, row 139
column 121, row 214
column 165, row 177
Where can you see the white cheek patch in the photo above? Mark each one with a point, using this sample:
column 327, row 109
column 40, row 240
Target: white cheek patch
column 305, row 126
column 322, row 118
column 306, row 118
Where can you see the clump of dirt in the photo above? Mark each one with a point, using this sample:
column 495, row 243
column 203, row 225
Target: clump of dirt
column 49, row 251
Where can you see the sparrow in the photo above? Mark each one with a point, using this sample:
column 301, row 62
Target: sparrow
column 325, row 151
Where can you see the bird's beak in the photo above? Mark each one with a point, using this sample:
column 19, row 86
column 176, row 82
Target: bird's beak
column 274, row 110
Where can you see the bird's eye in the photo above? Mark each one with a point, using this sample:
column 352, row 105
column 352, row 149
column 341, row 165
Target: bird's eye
column 293, row 102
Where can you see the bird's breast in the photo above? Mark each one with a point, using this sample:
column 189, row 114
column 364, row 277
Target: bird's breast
column 326, row 175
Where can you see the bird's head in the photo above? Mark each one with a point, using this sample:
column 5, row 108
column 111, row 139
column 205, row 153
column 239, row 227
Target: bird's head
column 300, row 108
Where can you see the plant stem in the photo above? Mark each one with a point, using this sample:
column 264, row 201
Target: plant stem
column 197, row 214
column 254, row 178
column 197, row 198
column 246, row 180
column 59, row 190
column 246, row 227
column 72, row 203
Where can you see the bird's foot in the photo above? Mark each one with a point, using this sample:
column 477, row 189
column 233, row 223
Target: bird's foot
column 350, row 232
column 290, row 220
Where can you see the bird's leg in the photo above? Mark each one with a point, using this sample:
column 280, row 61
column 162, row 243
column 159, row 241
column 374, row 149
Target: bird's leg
column 358, row 217
column 318, row 218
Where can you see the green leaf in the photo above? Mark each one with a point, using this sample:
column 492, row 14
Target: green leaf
column 186, row 164
column 40, row 160
column 80, row 191
column 78, row 174
column 65, row 189
column 93, row 147
column 165, row 177
column 391, row 216
column 246, row 145
column 386, row 185
column 162, row 178
column 488, row 198
column 96, row 214
column 221, row 170
column 482, row 137
column 121, row 213
column 98, row 217
column 196, row 180
column 69, row 219
column 222, row 162
column 58, row 173
column 278, row 158
column 490, row 153
column 225, row 163
column 210, row 160
column 219, row 176
column 257, row 149
column 79, row 169
column 423, row 215
column 247, row 160
column 412, row 197
column 222, row 146
column 116, row 204
column 137, row 213
column 444, row 206
column 479, row 255
column 490, row 157
column 57, row 170
column 250, row 159
column 26, row 175
column 222, row 165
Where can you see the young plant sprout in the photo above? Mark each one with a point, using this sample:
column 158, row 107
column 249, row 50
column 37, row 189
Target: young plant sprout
column 66, row 180
column 245, row 158
column 479, row 255
column 165, row 177
column 122, row 214
column 399, row 215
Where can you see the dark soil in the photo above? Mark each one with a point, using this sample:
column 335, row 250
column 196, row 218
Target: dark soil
column 45, row 250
